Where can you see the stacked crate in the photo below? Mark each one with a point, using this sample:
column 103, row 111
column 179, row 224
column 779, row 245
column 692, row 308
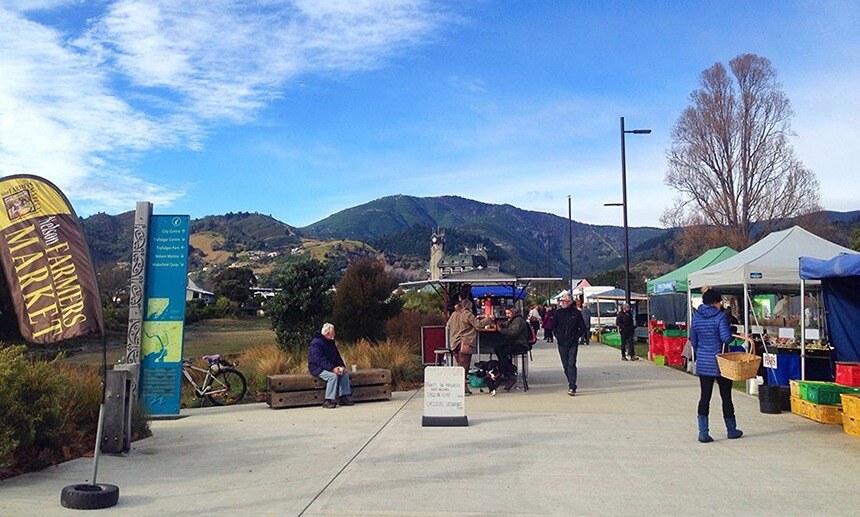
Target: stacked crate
column 819, row 401
column 848, row 375
column 851, row 413
column 673, row 344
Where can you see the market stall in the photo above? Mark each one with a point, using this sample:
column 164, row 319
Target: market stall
column 840, row 285
column 667, row 294
column 770, row 266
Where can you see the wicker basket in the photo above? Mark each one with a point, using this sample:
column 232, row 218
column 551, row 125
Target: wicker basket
column 739, row 366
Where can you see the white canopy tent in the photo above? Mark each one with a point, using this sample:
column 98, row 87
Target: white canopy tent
column 772, row 263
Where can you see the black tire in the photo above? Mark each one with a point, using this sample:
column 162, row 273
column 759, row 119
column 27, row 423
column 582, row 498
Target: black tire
column 236, row 386
column 89, row 497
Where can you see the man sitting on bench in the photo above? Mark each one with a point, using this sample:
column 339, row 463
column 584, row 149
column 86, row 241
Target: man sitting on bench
column 515, row 334
column 325, row 362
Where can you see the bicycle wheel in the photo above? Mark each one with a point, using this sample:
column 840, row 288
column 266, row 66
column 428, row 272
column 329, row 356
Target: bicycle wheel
column 229, row 387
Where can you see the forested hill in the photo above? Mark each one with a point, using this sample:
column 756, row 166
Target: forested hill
column 250, row 231
column 110, row 236
column 534, row 243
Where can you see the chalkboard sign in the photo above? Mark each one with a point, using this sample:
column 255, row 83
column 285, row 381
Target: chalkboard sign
column 444, row 396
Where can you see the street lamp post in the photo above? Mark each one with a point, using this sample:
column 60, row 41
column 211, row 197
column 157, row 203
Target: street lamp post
column 624, row 206
column 570, row 242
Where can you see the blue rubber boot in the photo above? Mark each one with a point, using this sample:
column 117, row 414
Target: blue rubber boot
column 704, row 437
column 732, row 430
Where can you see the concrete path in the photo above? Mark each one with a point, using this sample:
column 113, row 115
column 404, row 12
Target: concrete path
column 625, row 445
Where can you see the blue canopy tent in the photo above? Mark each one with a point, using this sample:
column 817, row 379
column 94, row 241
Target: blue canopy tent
column 498, row 291
column 840, row 285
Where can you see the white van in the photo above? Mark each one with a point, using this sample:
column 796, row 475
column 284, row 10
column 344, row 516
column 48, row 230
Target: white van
column 608, row 310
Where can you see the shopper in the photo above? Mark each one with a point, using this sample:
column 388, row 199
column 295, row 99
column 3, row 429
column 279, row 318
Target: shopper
column 709, row 332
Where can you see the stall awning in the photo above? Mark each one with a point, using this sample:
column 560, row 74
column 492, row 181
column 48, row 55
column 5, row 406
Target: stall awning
column 771, row 262
column 498, row 291
column 840, row 284
column 676, row 281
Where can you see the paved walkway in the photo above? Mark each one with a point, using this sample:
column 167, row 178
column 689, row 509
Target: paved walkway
column 625, row 445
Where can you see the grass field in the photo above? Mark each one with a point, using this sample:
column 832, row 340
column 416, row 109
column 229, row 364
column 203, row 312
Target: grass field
column 218, row 336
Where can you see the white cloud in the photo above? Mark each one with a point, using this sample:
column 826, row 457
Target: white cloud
column 228, row 59
column 57, row 116
column 155, row 74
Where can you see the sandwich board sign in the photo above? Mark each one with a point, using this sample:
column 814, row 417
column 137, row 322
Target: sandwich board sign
column 444, row 397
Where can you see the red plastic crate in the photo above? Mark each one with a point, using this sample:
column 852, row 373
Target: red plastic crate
column 674, row 345
column 675, row 359
column 848, row 374
column 657, row 347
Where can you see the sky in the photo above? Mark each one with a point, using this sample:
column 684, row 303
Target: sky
column 302, row 108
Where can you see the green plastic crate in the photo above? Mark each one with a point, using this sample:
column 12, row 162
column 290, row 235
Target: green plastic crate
column 611, row 338
column 660, row 360
column 827, row 393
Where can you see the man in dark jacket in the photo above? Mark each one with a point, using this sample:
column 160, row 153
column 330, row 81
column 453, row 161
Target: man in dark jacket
column 516, row 333
column 568, row 328
column 627, row 330
column 325, row 362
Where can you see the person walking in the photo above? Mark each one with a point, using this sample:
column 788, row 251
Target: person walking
column 627, row 330
column 586, row 318
column 534, row 318
column 567, row 327
column 709, row 331
column 547, row 324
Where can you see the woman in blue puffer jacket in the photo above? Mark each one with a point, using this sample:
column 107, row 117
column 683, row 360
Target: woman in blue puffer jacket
column 708, row 333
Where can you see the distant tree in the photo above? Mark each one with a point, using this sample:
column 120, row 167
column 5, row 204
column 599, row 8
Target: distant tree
column 363, row 302
column 430, row 303
column 113, row 280
column 615, row 278
column 235, row 283
column 731, row 160
column 854, row 241
column 301, row 307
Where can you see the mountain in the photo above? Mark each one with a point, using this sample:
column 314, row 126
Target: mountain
column 535, row 243
column 524, row 242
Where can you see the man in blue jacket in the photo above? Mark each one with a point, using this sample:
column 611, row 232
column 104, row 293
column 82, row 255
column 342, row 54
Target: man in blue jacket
column 325, row 362
column 708, row 333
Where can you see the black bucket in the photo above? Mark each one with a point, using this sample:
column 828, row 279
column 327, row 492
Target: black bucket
column 769, row 399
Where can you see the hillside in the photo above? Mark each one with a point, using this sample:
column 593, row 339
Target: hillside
column 524, row 242
column 533, row 243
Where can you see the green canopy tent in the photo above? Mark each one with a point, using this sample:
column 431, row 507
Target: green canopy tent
column 668, row 293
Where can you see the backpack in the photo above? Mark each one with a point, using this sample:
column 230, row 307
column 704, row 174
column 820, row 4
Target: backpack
column 531, row 336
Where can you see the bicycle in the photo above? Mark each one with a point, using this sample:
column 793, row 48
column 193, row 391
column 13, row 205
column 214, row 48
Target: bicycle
column 223, row 384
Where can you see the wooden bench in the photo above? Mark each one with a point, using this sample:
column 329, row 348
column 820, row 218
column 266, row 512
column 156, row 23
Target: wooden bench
column 302, row 389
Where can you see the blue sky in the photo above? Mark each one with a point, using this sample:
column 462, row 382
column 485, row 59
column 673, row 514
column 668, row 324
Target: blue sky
column 300, row 109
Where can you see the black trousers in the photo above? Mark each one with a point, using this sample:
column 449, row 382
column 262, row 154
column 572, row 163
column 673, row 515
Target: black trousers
column 627, row 348
column 568, row 362
column 707, row 385
column 506, row 353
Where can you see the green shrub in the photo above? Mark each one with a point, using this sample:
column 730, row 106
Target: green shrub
column 47, row 406
column 423, row 302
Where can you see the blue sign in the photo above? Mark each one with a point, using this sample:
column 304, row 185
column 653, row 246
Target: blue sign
column 164, row 314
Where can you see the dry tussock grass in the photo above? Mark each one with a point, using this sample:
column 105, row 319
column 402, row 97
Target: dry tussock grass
column 398, row 356
column 258, row 362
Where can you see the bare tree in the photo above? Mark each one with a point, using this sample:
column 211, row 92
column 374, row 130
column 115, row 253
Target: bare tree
column 731, row 160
